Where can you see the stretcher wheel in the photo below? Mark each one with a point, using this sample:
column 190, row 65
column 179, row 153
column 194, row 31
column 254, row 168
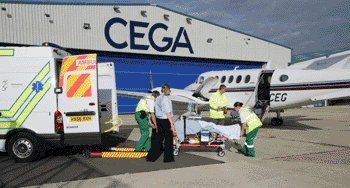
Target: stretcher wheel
column 221, row 152
column 176, row 152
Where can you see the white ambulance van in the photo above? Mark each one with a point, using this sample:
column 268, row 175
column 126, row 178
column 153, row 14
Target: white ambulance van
column 47, row 95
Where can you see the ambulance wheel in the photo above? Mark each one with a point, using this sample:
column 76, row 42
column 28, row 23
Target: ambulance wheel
column 276, row 121
column 23, row 147
column 221, row 152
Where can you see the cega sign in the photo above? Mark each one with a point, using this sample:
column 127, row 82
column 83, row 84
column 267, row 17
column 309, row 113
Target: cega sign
column 133, row 35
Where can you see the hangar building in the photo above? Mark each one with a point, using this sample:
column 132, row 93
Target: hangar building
column 139, row 39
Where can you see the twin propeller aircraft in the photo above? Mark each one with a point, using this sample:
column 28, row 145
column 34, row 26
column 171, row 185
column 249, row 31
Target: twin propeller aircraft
column 264, row 90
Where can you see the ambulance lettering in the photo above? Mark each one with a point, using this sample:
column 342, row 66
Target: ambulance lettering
column 85, row 62
column 134, row 34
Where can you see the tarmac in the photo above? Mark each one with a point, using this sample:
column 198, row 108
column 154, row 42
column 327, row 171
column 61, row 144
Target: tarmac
column 311, row 149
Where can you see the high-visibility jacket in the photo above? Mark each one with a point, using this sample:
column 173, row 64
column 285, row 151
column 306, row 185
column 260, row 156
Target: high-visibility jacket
column 252, row 120
column 142, row 105
column 217, row 99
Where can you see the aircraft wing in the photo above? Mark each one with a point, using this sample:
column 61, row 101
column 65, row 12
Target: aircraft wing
column 132, row 94
column 177, row 95
column 336, row 95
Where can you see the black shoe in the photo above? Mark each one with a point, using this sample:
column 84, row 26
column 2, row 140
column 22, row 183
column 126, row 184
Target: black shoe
column 169, row 161
column 247, row 155
column 241, row 151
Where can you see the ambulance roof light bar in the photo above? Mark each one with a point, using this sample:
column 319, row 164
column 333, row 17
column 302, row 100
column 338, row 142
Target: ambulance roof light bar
column 53, row 45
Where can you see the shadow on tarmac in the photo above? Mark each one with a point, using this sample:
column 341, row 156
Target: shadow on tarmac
column 68, row 164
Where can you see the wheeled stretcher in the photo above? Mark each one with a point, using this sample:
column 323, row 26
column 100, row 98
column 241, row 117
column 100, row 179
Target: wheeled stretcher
column 194, row 133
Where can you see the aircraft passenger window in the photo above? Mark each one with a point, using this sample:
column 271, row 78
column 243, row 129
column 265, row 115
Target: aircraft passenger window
column 283, row 78
column 223, row 79
column 230, row 79
column 239, row 78
column 247, row 79
column 201, row 80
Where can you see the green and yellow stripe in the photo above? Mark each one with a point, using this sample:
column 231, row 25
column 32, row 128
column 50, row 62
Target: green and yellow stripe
column 27, row 110
column 25, row 94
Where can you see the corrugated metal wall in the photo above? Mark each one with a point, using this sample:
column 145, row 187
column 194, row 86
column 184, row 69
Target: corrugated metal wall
column 62, row 24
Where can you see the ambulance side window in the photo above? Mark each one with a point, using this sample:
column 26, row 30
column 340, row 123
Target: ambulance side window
column 58, row 66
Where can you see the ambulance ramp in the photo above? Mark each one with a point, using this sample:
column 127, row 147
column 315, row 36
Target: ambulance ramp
column 118, row 153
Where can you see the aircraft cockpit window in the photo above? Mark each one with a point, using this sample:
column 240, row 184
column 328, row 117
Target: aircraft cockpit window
column 247, row 79
column 230, row 79
column 283, row 78
column 239, row 78
column 223, row 79
column 217, row 77
column 201, row 80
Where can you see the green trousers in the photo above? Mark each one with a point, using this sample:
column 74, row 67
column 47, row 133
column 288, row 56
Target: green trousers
column 248, row 145
column 144, row 140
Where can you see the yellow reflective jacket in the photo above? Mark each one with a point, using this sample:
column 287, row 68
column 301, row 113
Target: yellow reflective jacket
column 142, row 105
column 217, row 99
column 252, row 120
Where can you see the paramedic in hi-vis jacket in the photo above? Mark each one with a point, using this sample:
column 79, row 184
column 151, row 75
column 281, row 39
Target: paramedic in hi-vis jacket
column 218, row 104
column 145, row 106
column 251, row 123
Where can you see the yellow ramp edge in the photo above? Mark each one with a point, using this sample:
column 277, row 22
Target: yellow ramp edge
column 123, row 149
column 124, row 154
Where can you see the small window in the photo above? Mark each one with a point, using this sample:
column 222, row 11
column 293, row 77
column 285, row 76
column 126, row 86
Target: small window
column 247, row 79
column 239, row 78
column 283, row 78
column 217, row 77
column 201, row 80
column 230, row 79
column 223, row 79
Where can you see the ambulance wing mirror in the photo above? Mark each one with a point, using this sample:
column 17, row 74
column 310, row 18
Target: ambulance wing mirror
column 58, row 90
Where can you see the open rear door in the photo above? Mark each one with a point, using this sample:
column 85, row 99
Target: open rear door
column 78, row 101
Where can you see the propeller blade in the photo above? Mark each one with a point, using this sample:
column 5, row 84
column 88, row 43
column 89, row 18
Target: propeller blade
column 151, row 80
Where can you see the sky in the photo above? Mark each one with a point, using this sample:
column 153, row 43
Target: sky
column 303, row 25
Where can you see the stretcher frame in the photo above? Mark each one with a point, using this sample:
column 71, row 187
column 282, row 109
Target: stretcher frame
column 215, row 141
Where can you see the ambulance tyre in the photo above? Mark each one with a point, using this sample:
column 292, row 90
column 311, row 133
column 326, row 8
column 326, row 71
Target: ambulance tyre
column 23, row 147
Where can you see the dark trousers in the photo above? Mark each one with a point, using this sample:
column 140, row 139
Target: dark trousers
column 157, row 139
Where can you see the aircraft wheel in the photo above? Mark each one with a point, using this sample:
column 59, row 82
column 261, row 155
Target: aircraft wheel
column 276, row 121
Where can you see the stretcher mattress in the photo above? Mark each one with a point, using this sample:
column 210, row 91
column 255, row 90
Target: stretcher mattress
column 195, row 126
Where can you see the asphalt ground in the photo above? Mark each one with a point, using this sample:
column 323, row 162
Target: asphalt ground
column 311, row 149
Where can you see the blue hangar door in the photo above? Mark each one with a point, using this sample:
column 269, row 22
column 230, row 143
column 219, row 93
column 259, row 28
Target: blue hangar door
column 133, row 74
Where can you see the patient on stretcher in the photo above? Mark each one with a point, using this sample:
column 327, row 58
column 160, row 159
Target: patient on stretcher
column 194, row 126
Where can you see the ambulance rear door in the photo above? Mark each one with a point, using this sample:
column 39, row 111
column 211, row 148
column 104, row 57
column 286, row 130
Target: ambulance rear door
column 78, row 100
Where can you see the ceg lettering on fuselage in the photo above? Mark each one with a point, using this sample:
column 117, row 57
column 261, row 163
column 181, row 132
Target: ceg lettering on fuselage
column 278, row 97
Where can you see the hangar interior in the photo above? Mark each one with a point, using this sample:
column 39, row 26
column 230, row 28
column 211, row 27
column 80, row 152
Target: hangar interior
column 140, row 39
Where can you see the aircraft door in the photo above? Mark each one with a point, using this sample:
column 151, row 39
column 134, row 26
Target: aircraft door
column 262, row 93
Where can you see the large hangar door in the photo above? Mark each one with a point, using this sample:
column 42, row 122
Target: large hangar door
column 133, row 74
